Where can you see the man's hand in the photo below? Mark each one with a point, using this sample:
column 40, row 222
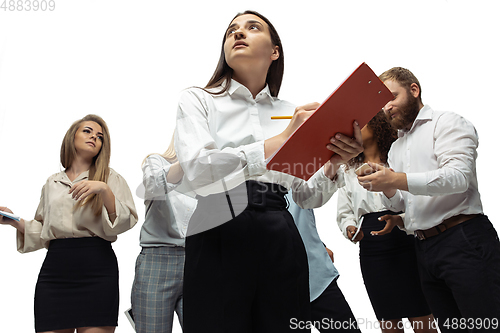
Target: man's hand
column 384, row 180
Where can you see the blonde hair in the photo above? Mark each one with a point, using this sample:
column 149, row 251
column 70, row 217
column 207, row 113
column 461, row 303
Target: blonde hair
column 169, row 154
column 99, row 170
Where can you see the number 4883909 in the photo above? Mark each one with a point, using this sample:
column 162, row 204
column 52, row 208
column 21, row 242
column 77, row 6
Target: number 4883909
column 28, row 5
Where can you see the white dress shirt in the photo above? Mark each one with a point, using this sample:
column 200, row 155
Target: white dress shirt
column 354, row 202
column 167, row 211
column 222, row 136
column 438, row 155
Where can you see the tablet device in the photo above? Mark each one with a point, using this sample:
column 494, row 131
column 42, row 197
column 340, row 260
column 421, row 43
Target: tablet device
column 10, row 216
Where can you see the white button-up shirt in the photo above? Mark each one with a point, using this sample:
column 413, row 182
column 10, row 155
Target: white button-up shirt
column 222, row 136
column 57, row 218
column 354, row 202
column 167, row 211
column 438, row 155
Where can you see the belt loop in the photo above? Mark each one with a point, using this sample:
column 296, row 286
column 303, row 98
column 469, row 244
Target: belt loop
column 287, row 202
column 256, row 188
column 420, row 235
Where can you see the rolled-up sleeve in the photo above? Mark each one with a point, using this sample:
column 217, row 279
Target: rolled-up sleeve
column 126, row 214
column 395, row 203
column 345, row 211
column 155, row 170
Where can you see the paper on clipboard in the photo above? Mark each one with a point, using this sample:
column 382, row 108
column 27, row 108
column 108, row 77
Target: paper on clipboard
column 360, row 97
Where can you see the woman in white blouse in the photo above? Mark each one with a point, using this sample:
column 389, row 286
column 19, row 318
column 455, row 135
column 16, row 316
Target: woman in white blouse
column 82, row 210
column 246, row 266
column 388, row 262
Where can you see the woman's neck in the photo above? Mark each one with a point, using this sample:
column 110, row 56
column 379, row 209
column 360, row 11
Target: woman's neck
column 371, row 152
column 78, row 166
column 254, row 80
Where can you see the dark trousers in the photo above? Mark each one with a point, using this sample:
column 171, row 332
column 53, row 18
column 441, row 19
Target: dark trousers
column 460, row 276
column 331, row 313
column 249, row 274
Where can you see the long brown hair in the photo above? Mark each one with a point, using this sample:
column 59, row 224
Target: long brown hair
column 223, row 73
column 99, row 170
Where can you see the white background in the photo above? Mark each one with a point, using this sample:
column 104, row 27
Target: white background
column 127, row 61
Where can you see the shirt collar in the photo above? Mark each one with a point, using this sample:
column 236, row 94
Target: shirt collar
column 237, row 89
column 425, row 114
column 62, row 177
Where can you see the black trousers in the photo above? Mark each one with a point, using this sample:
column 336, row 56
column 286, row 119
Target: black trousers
column 330, row 312
column 249, row 274
column 460, row 276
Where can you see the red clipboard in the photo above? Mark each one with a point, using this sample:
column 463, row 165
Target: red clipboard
column 360, row 97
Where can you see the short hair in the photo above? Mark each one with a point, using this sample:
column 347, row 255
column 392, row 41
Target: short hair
column 402, row 76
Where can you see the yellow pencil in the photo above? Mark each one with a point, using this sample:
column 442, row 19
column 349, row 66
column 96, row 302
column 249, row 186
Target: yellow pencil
column 281, row 117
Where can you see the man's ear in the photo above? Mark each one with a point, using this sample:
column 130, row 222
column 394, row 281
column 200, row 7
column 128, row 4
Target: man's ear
column 414, row 90
column 276, row 53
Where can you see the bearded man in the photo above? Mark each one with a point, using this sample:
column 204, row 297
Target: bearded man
column 432, row 178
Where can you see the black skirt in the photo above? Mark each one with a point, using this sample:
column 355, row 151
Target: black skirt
column 390, row 273
column 77, row 285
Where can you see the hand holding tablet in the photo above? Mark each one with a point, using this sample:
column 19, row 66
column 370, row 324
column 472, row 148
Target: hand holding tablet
column 8, row 215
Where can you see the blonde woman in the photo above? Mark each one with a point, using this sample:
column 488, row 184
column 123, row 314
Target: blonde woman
column 82, row 210
column 157, row 291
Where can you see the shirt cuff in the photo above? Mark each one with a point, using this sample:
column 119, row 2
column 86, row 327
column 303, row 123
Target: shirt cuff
column 30, row 240
column 338, row 180
column 326, row 184
column 255, row 156
column 393, row 202
column 417, row 183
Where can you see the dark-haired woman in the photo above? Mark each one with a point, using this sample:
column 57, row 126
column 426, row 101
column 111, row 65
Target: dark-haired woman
column 82, row 210
column 383, row 258
column 246, row 272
